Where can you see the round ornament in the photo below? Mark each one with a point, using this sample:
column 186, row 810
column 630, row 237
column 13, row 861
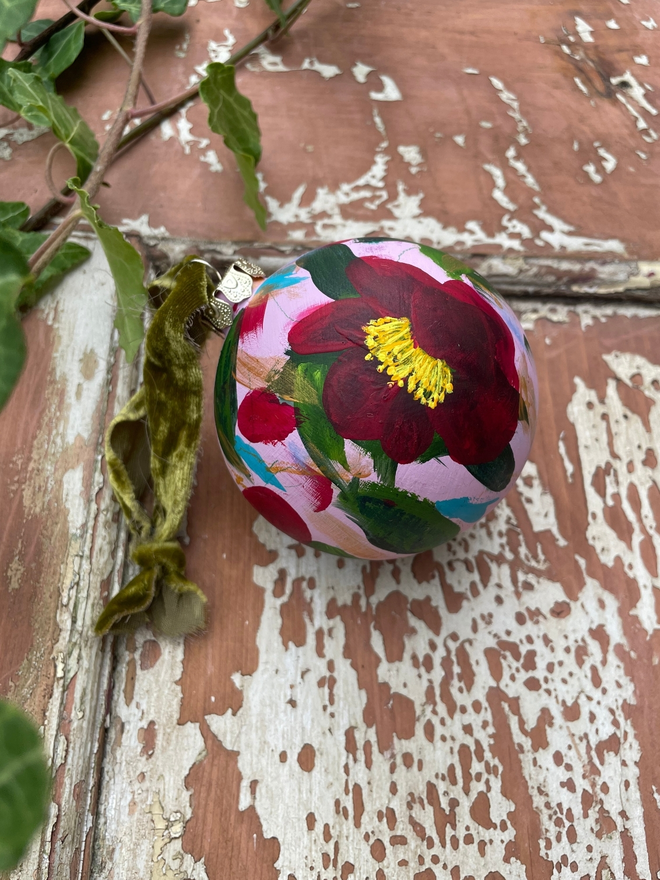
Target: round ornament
column 374, row 398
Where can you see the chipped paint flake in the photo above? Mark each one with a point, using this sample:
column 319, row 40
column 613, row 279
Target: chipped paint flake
column 412, row 156
column 459, row 139
column 563, row 452
column 649, row 23
column 612, row 24
column 581, row 86
column 389, row 92
column 210, row 158
column 560, row 235
column 361, row 71
column 521, row 169
column 522, row 126
column 498, row 191
column 642, row 60
column 472, row 70
column 608, row 161
column 592, row 171
column 584, row 30
column 327, row 71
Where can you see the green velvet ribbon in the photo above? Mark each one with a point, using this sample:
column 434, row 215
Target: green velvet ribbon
column 153, row 443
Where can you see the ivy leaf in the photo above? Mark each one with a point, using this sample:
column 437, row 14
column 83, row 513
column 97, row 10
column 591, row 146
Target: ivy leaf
column 14, row 272
column 231, row 115
column 14, row 14
column 13, row 214
column 61, row 51
column 24, row 784
column 41, row 107
column 7, row 98
column 33, row 28
column 171, row 7
column 109, row 15
column 276, row 6
column 127, row 270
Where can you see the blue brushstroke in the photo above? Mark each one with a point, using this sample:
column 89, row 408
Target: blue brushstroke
column 286, row 277
column 464, row 509
column 256, row 463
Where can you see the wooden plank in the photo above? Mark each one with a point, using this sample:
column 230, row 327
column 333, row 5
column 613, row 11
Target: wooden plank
column 533, row 132
column 484, row 710
column 62, row 550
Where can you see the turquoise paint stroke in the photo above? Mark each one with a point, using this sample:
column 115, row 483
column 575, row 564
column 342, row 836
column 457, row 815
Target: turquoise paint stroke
column 464, row 509
column 256, row 463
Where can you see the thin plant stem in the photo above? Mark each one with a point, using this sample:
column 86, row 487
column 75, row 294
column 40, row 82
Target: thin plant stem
column 103, row 25
column 49, row 248
column 28, row 49
column 48, row 173
column 120, row 49
column 167, row 108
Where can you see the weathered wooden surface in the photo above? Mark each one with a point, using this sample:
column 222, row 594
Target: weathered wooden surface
column 485, row 711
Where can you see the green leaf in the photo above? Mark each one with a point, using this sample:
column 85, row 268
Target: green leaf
column 322, row 442
column 127, row 270
column 14, row 272
column 108, row 15
column 67, row 258
column 328, row 548
column 327, row 266
column 41, row 107
column 13, row 214
column 33, row 28
column 276, row 6
column 231, row 115
column 453, row 267
column 25, row 242
column 226, row 400
column 24, row 784
column 171, row 7
column 384, row 466
column 7, row 97
column 495, row 475
column 61, row 51
column 437, row 449
column 394, row 520
column 14, row 14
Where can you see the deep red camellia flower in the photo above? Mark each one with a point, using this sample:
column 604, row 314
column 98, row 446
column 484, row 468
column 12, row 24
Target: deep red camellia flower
column 415, row 356
column 262, row 418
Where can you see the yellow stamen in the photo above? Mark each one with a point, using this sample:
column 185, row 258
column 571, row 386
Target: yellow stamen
column 390, row 341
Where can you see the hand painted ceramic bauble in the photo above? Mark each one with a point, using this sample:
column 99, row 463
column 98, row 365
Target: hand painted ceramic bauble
column 374, row 398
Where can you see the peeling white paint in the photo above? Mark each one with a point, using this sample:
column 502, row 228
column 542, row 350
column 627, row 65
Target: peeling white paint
column 584, row 30
column 267, row 61
column 73, row 498
column 608, row 161
column 568, row 464
column 412, row 156
column 485, row 124
column 210, row 157
column 649, row 23
column 612, row 24
column 500, row 183
column 642, row 60
column 327, row 71
column 522, row 126
column 361, row 71
column 521, row 169
column 539, row 503
column 592, row 171
column 389, row 92
column 142, row 227
column 560, row 236
column 459, row 139
column 472, row 70
column 181, row 49
column 581, row 86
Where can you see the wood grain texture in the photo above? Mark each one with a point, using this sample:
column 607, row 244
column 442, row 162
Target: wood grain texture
column 484, row 710
column 531, row 130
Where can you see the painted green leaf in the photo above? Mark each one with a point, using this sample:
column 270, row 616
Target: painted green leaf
column 231, row 115
column 328, row 548
column 495, row 475
column 33, row 28
column 384, row 466
column 41, row 107
column 226, row 400
column 24, row 784
column 13, row 214
column 127, row 271
column 171, row 7
column 276, row 6
column 14, row 15
column 437, row 449
column 7, row 97
column 454, row 267
column 394, row 520
column 61, row 51
column 322, row 442
column 14, row 272
column 327, row 266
